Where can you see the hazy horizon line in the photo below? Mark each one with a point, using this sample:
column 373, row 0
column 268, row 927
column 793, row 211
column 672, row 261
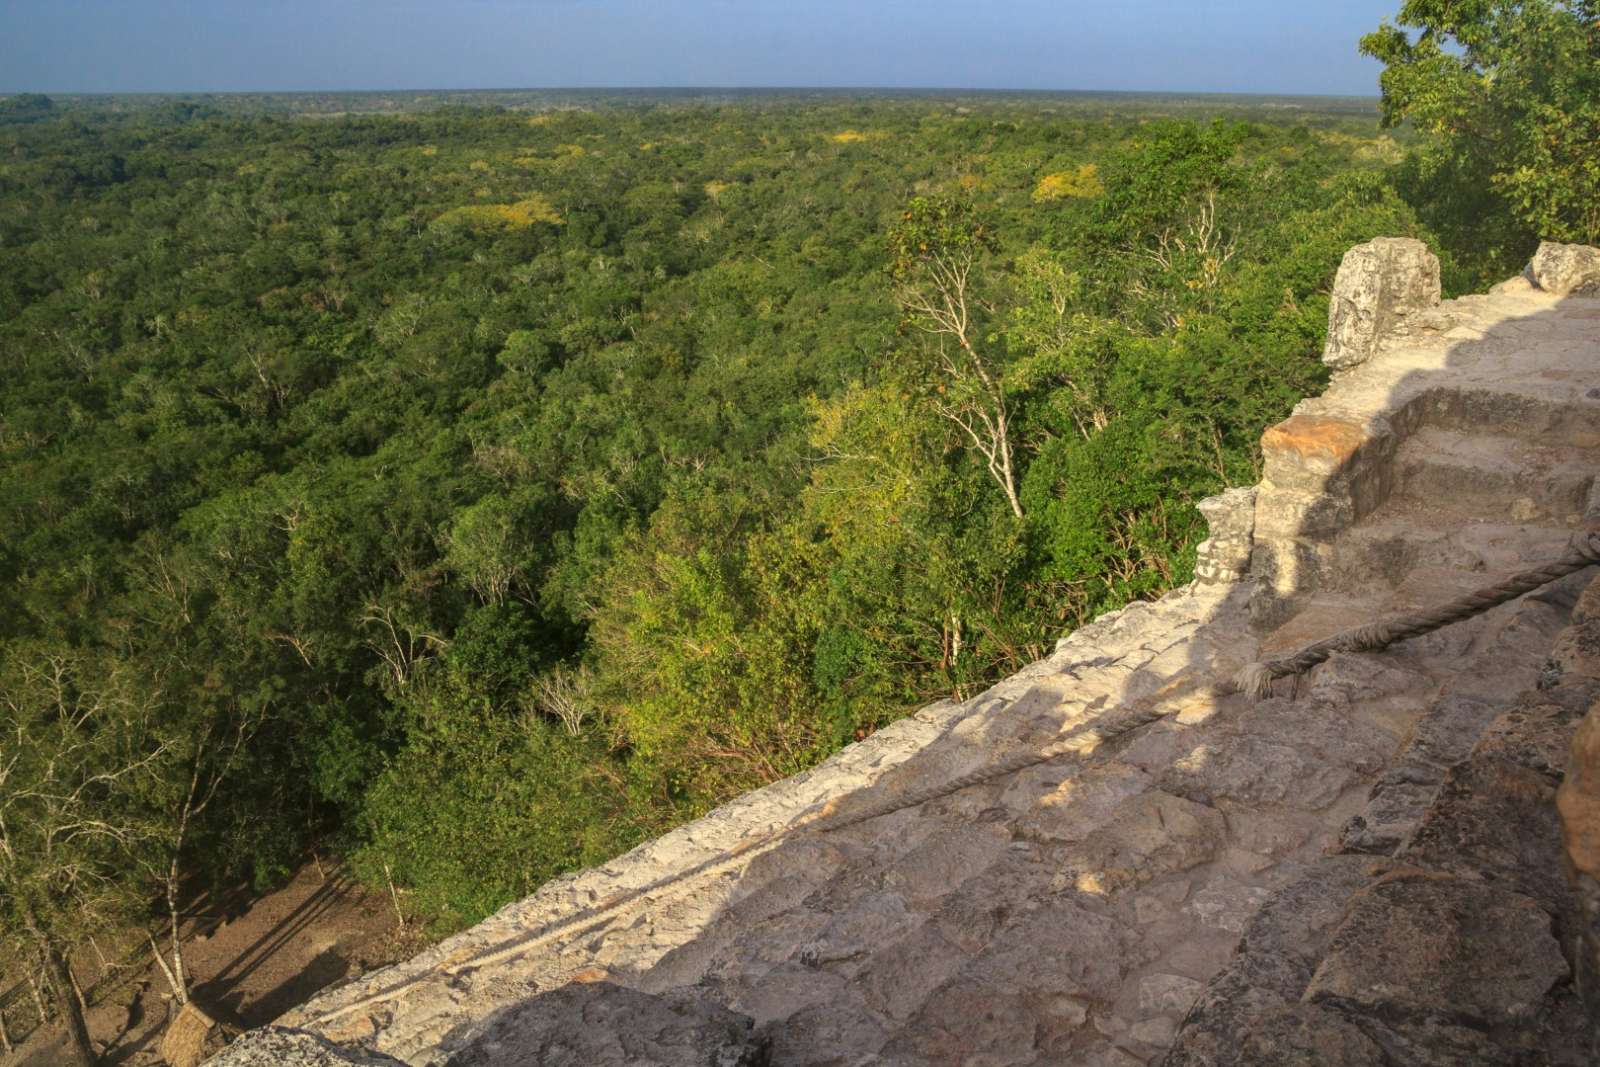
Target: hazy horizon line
column 701, row 89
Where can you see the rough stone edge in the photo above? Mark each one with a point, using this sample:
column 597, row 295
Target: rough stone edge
column 1270, row 977
column 859, row 766
column 1380, row 287
column 1565, row 268
column 856, row 767
column 1332, row 462
column 279, row 1046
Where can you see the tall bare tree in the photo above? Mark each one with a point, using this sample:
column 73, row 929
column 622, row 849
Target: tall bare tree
column 208, row 753
column 79, row 744
column 937, row 250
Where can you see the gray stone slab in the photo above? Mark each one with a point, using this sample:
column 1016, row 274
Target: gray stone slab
column 1428, row 947
column 605, row 1025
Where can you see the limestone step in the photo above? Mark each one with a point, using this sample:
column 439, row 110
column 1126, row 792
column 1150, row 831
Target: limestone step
column 1406, row 536
column 1500, row 660
column 1320, row 615
column 1492, row 505
column 1441, row 943
column 1442, row 737
column 1495, row 478
column 1522, row 411
column 1315, row 617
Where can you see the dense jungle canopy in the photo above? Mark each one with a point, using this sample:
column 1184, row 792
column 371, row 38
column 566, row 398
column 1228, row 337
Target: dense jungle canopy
column 476, row 490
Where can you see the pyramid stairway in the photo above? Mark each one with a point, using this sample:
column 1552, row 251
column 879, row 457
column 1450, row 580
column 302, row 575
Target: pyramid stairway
column 1360, row 869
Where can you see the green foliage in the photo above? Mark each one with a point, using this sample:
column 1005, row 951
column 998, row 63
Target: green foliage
column 26, row 107
column 935, row 228
column 482, row 806
column 504, row 541
column 81, row 750
column 1508, row 95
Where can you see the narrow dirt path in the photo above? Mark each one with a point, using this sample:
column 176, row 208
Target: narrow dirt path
column 251, row 962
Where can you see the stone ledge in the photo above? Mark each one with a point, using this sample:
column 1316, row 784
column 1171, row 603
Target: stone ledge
column 277, row 1046
column 1117, row 655
column 1335, row 460
column 1076, row 913
column 1562, row 269
column 1415, row 945
column 601, row 1023
column 1448, row 952
column 1379, row 285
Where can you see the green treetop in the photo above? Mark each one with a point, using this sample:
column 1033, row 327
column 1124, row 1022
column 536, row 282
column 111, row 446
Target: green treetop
column 1509, row 92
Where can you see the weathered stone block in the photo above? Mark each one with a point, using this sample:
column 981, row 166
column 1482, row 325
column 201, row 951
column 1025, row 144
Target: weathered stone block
column 1275, row 1036
column 1577, row 650
column 1077, row 804
column 1443, row 737
column 1322, row 474
column 1578, row 800
column 1392, row 812
column 1227, row 905
column 1147, row 836
column 1168, row 994
column 274, row 1046
column 1280, row 569
column 970, row 1022
column 1257, row 771
column 1378, row 285
column 1303, row 451
column 1493, row 818
column 826, row 1035
column 1288, row 517
column 1432, row 947
column 1250, row 1014
column 1059, row 949
column 895, row 981
column 1588, row 605
column 1436, row 1043
column 1225, row 555
column 1563, row 269
column 587, row 1024
column 1342, row 469
column 1533, row 734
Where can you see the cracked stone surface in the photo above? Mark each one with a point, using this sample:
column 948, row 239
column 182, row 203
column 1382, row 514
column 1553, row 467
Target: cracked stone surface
column 1444, row 947
column 1361, row 869
column 1561, row 269
column 1440, row 947
column 1379, row 285
column 582, row 1024
column 273, row 1046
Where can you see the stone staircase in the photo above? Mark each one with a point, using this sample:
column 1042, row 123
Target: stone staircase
column 1361, row 869
column 1439, row 930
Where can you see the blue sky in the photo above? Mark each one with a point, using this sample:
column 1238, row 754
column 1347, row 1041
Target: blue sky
column 1267, row 46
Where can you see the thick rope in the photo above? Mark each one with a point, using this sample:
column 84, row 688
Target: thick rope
column 824, row 819
column 1257, row 678
column 1082, row 742
column 663, row 889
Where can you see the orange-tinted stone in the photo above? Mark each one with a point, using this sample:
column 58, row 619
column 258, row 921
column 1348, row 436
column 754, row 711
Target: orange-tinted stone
column 1578, row 799
column 592, row 974
column 1312, row 437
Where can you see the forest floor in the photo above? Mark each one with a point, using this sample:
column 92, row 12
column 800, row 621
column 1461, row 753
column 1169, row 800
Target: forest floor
column 250, row 958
